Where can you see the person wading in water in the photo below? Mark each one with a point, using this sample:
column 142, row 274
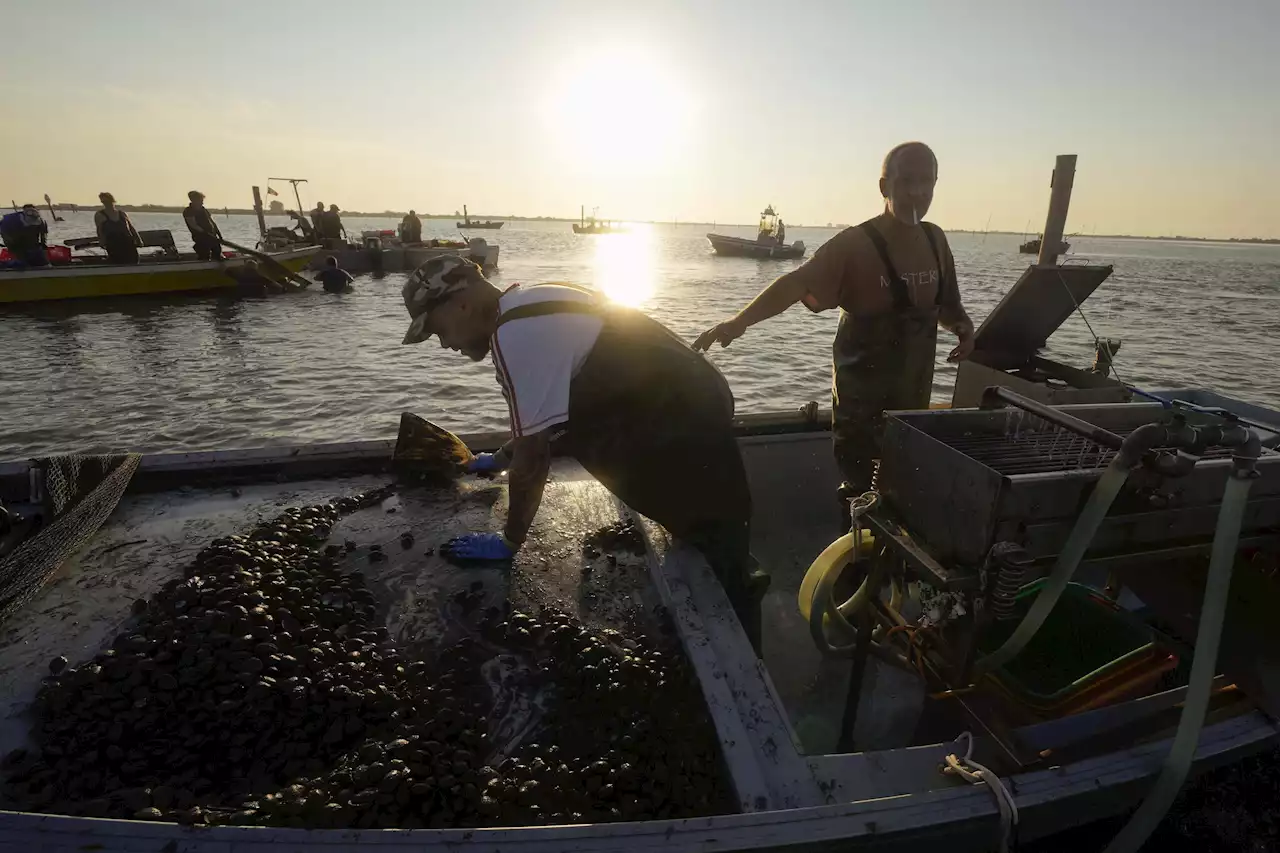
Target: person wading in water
column 646, row 415
column 894, row 280
column 116, row 234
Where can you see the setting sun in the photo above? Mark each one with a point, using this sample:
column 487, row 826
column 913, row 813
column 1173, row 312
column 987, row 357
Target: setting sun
column 619, row 108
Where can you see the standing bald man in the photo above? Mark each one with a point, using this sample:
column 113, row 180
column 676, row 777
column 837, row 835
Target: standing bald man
column 894, row 281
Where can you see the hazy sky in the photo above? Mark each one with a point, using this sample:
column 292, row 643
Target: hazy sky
column 696, row 110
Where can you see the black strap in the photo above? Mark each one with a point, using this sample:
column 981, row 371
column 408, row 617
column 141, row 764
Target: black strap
column 937, row 259
column 901, row 298
column 551, row 306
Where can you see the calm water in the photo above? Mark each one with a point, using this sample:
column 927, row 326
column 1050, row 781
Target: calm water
column 202, row 373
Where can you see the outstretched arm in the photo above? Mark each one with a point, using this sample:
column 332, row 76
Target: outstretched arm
column 786, row 291
column 818, row 281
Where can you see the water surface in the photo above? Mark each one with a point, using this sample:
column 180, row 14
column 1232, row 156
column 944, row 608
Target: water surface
column 209, row 372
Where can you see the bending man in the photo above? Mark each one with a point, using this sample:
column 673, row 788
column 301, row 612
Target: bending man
column 640, row 410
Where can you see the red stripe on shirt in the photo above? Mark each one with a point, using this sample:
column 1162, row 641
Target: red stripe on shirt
column 512, row 409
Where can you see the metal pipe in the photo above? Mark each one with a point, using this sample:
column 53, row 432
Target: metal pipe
column 1064, row 175
column 1093, row 432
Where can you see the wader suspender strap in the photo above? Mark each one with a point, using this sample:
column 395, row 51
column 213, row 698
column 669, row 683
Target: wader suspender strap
column 551, row 306
column 901, row 299
column 937, row 259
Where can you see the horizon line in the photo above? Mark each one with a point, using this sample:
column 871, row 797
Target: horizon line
column 243, row 211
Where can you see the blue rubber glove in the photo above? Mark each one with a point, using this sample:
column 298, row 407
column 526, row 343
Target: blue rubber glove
column 488, row 463
column 478, row 546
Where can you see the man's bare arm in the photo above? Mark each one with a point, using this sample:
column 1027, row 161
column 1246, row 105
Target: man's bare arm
column 786, row 291
column 952, row 316
column 954, row 319
column 526, row 479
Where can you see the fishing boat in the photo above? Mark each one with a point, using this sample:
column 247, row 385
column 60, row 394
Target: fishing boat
column 592, row 225
column 808, row 756
column 468, row 222
column 1032, row 246
column 382, row 250
column 769, row 243
column 167, row 271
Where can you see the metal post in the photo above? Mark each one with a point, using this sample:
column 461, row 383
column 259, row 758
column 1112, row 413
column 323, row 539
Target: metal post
column 1064, row 175
column 857, row 674
column 257, row 208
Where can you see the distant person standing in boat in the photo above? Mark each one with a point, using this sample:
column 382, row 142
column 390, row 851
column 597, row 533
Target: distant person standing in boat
column 26, row 236
column 894, row 280
column 333, row 277
column 317, row 219
column 205, row 234
column 782, row 232
column 116, row 234
column 333, row 227
column 411, row 228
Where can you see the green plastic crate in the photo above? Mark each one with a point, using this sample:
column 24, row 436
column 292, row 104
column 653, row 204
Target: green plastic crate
column 1084, row 640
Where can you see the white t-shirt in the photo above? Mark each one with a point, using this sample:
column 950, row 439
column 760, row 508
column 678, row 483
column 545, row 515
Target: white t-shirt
column 537, row 357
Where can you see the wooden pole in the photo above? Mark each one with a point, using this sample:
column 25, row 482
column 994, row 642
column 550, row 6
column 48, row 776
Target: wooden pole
column 257, row 208
column 1064, row 175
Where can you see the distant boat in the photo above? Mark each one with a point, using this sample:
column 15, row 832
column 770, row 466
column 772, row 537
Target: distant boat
column 769, row 243
column 94, row 276
column 593, row 225
column 468, row 222
column 1032, row 246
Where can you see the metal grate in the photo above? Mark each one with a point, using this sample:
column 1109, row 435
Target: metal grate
column 1041, row 451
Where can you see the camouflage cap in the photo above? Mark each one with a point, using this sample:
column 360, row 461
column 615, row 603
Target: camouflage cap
column 429, row 286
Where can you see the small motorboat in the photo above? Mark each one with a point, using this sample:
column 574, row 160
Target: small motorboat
column 382, row 251
column 769, row 244
column 1032, row 246
column 468, row 222
column 594, row 225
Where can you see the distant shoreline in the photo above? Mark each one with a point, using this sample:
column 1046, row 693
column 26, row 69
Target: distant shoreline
column 391, row 214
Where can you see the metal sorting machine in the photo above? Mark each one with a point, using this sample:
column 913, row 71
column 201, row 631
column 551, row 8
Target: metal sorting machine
column 986, row 506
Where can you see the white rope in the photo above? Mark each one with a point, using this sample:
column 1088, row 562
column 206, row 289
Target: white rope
column 976, row 774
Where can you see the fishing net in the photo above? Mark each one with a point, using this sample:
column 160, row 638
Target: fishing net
column 78, row 493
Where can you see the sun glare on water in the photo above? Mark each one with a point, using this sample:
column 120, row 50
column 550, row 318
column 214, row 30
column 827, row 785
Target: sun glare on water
column 624, row 265
column 619, row 109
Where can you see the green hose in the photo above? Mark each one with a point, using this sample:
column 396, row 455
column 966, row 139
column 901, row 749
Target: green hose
column 1203, row 668
column 1104, row 494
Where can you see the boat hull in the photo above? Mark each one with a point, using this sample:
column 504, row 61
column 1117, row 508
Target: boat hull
column 405, row 258
column 887, row 799
column 144, row 279
column 883, row 799
column 740, row 247
column 1032, row 247
column 491, row 226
